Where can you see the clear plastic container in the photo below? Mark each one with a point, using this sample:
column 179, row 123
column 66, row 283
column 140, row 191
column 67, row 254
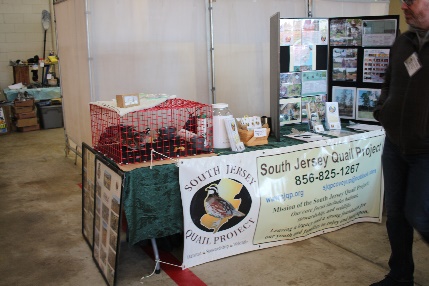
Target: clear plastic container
column 220, row 136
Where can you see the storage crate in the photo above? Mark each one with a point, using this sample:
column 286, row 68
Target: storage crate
column 174, row 128
column 51, row 116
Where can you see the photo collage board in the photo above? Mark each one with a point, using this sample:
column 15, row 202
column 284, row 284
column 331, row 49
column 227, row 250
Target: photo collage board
column 107, row 218
column 303, row 69
column 88, row 192
column 333, row 60
column 359, row 49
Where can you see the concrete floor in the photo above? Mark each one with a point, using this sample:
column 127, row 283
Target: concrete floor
column 41, row 240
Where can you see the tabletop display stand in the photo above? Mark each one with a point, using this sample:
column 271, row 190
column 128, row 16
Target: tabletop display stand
column 299, row 60
column 335, row 59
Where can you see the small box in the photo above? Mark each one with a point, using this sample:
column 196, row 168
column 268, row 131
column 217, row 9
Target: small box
column 23, row 109
column 248, row 138
column 51, row 116
column 22, row 103
column 127, row 100
column 21, row 74
column 26, row 122
column 26, row 115
column 29, row 128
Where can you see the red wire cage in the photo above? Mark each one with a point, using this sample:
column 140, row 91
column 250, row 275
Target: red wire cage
column 174, row 128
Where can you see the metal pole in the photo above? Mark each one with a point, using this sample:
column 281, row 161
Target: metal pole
column 212, row 64
column 310, row 8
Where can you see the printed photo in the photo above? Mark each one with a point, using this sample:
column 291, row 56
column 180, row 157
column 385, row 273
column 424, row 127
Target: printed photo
column 290, row 84
column 366, row 101
column 345, row 96
column 290, row 111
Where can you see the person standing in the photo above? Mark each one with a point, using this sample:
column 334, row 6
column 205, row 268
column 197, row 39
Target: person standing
column 403, row 111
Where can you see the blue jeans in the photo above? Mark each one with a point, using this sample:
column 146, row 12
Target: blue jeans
column 406, row 198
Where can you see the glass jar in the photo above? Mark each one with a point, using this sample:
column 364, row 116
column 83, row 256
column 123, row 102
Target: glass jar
column 220, row 136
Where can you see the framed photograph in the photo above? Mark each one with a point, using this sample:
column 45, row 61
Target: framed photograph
column 290, row 111
column 107, row 217
column 88, row 192
column 346, row 98
column 366, row 101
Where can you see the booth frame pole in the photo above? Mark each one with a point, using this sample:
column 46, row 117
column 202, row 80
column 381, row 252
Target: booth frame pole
column 212, row 57
column 310, row 8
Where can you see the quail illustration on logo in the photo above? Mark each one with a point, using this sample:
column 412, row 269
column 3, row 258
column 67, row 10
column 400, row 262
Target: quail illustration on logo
column 218, row 208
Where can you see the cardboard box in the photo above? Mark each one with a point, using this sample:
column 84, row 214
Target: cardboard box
column 21, row 74
column 26, row 115
column 23, row 109
column 29, row 128
column 127, row 100
column 21, row 103
column 26, row 122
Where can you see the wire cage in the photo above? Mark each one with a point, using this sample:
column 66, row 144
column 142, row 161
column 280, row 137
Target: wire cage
column 174, row 128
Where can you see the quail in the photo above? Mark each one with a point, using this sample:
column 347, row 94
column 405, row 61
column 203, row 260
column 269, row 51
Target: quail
column 218, row 207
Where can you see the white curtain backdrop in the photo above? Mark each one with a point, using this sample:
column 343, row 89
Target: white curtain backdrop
column 162, row 46
column 336, row 8
column 74, row 70
column 242, row 51
column 152, row 46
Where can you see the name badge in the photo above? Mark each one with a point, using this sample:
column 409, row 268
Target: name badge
column 412, row 64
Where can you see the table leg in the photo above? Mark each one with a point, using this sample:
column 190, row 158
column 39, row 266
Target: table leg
column 156, row 254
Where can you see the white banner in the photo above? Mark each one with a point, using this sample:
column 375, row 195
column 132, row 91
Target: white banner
column 248, row 201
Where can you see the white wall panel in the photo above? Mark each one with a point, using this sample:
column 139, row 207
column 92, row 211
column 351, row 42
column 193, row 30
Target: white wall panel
column 74, row 70
column 152, row 46
column 336, row 8
column 242, row 59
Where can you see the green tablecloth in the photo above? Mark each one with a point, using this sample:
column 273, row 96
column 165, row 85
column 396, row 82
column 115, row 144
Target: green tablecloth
column 152, row 200
column 37, row 93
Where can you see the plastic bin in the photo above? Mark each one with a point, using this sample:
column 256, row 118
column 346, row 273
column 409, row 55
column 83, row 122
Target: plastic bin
column 51, row 116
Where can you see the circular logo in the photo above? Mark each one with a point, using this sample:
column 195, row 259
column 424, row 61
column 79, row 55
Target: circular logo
column 220, row 205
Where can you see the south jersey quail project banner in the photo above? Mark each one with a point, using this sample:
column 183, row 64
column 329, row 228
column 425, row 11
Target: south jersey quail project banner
column 248, row 201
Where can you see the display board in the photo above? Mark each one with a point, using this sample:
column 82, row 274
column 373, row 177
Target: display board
column 303, row 59
column 107, row 213
column 88, row 192
column 334, row 59
column 359, row 50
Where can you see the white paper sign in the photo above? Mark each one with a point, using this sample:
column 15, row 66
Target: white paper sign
column 260, row 132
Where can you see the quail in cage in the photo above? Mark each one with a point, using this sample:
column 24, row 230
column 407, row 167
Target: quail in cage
column 167, row 133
